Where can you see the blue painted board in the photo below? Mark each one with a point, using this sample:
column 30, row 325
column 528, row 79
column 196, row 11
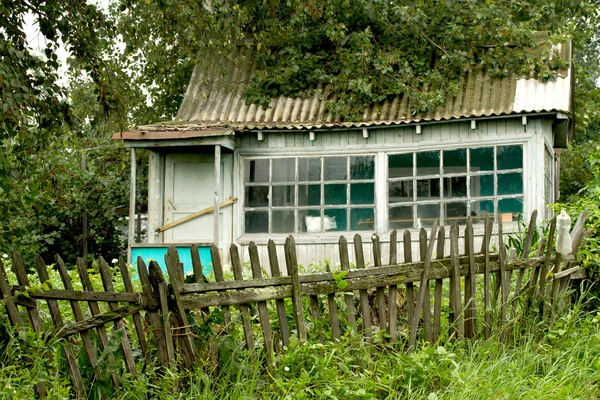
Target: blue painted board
column 158, row 254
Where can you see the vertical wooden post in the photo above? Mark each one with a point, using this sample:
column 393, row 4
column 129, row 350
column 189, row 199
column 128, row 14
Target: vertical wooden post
column 345, row 266
column 159, row 285
column 410, row 298
column 220, row 277
column 427, row 299
column 380, row 293
column 262, row 305
column 470, row 283
column 292, row 266
column 437, row 298
column 236, row 265
column 198, row 273
column 333, row 319
column 423, row 292
column 455, row 283
column 11, row 307
column 280, row 303
column 364, row 296
column 131, row 222
column 526, row 249
column 544, row 267
column 393, row 293
column 503, row 284
column 487, row 236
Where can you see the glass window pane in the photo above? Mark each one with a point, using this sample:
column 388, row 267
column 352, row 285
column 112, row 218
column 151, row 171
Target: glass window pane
column 309, row 221
column 309, row 195
column 283, row 196
column 480, row 209
column 256, row 222
column 257, row 196
column 482, row 185
column 455, row 161
column 400, row 165
column 362, row 219
column 428, row 189
column 362, row 193
column 284, row 170
column 510, row 209
column 399, row 192
column 427, row 214
column 400, row 217
column 309, row 169
column 335, row 194
column 428, row 163
column 482, row 159
column 455, row 187
column 510, row 157
column 455, row 213
column 283, row 221
column 362, row 167
column 335, row 220
column 256, row 171
column 510, row 183
column 335, row 168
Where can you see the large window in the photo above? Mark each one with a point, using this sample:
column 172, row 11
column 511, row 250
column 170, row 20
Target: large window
column 309, row 194
column 450, row 185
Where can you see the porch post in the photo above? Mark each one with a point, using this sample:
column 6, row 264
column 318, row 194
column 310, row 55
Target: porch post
column 131, row 224
column 217, row 194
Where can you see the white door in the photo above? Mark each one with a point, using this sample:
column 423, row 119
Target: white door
column 189, row 188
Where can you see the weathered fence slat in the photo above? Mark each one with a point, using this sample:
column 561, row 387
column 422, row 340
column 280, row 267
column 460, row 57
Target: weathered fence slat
column 345, row 266
column 410, row 298
column 526, row 250
column 11, row 307
column 364, row 296
column 159, row 285
column 545, row 265
column 263, row 315
column 487, row 236
column 105, row 275
column 238, row 275
column 292, row 266
column 457, row 326
column 427, row 299
column 380, row 291
column 198, row 273
column 437, row 297
column 393, row 291
column 470, row 283
column 280, row 303
column 503, row 281
column 333, row 318
column 58, row 321
column 220, row 277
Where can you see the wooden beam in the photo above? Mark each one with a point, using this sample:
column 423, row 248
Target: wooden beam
column 200, row 213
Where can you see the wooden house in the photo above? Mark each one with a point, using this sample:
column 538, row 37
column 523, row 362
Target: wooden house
column 293, row 168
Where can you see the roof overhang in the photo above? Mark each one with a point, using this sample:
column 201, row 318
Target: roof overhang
column 177, row 138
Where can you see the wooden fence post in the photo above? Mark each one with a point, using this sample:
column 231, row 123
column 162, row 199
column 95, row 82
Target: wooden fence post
column 380, row 291
column 345, row 266
column 238, row 275
column 333, row 318
column 262, row 305
column 364, row 296
column 470, row 283
column 427, row 299
column 292, row 266
column 159, row 285
column 437, row 298
column 393, row 291
column 487, row 236
column 279, row 303
column 455, row 283
column 410, row 298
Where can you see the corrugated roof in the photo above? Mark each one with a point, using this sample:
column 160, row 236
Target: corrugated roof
column 215, row 96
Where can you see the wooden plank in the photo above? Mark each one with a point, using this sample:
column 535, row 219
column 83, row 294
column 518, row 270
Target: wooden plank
column 58, row 322
column 393, row 292
column 137, row 318
column 437, row 298
column 470, row 283
column 155, row 322
column 200, row 213
column 198, row 275
column 316, row 316
column 176, row 277
column 238, row 275
column 164, row 308
column 105, row 275
column 78, row 295
column 578, row 232
column 427, row 299
column 544, row 267
column 364, row 296
column 333, row 318
column 263, row 314
column 526, row 250
column 11, row 307
column 503, row 282
column 348, row 298
column 487, row 236
column 32, row 312
column 97, row 321
column 220, row 277
column 423, row 292
column 457, row 326
column 380, row 291
column 410, row 298
column 280, row 303
column 291, row 262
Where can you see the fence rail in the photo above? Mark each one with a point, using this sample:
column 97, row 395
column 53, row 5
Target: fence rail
column 392, row 297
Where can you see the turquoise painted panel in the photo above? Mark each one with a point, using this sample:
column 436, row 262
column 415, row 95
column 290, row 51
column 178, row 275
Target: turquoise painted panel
column 158, row 254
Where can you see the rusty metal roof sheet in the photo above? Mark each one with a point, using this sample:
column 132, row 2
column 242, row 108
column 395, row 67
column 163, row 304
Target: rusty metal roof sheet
column 215, row 97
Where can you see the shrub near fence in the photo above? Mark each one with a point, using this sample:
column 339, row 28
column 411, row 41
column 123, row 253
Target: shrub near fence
column 393, row 301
